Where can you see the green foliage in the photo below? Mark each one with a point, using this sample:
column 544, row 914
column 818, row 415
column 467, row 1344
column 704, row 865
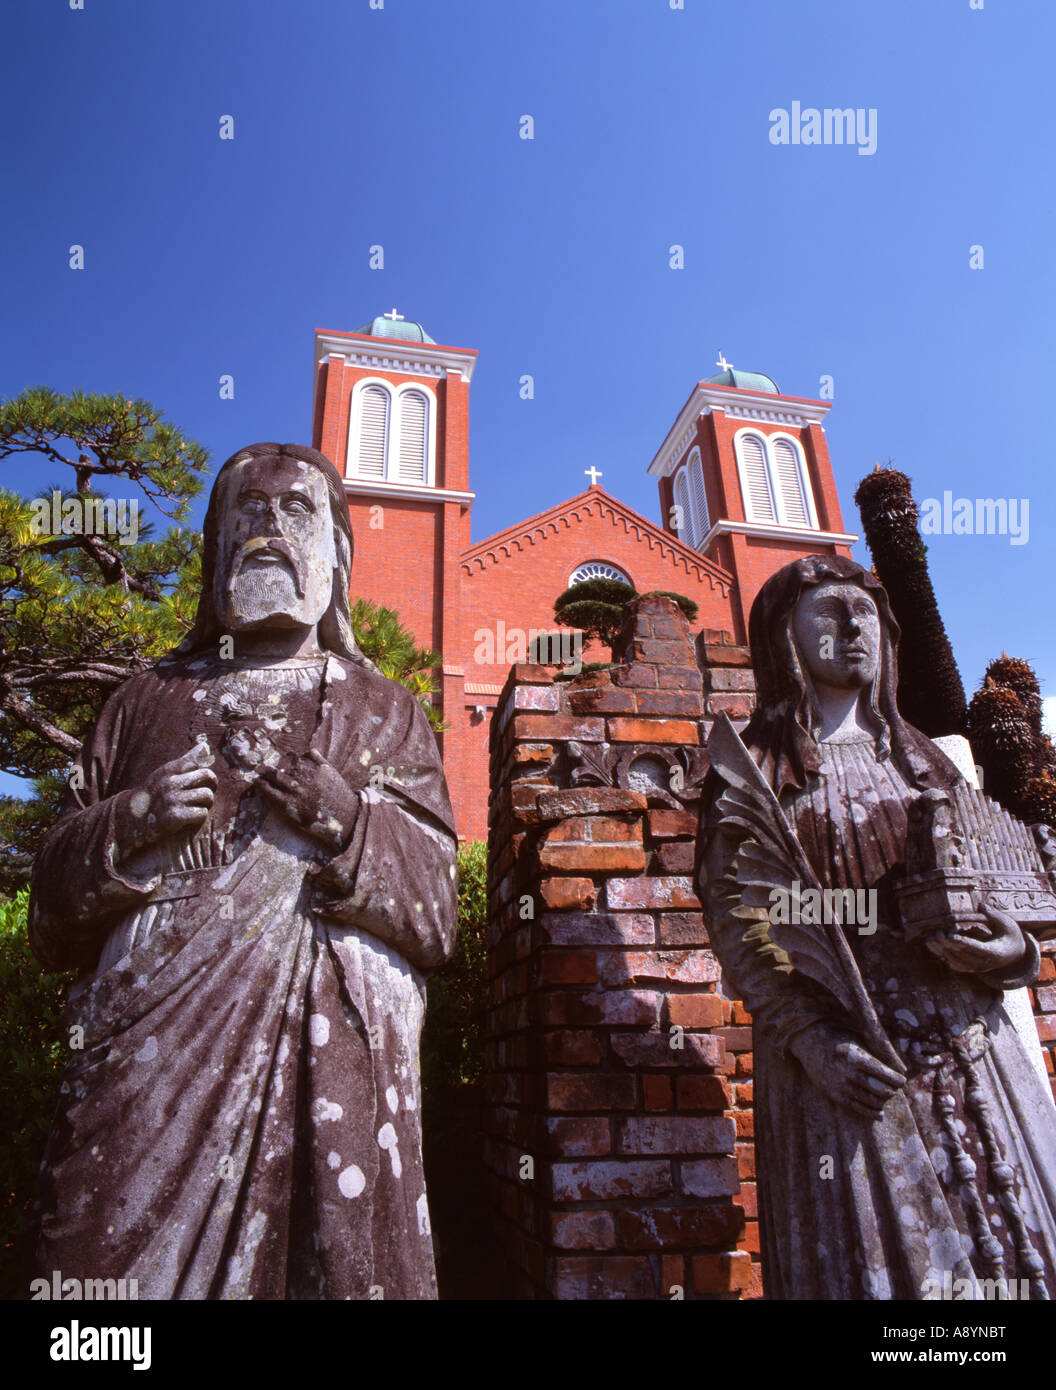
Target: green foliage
column 597, row 591
column 393, row 650
column 453, row 1038
column 32, row 1058
column 81, row 611
column 596, row 607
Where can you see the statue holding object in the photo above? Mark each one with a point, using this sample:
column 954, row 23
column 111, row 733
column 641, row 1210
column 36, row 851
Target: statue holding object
column 906, row 1146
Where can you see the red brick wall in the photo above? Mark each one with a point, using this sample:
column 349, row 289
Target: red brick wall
column 640, row 1181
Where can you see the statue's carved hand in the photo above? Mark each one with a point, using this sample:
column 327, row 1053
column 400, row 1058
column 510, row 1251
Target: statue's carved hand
column 845, row 1070
column 315, row 796
column 175, row 799
column 978, row 955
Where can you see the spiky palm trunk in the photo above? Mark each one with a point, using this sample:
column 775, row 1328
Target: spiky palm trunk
column 930, row 693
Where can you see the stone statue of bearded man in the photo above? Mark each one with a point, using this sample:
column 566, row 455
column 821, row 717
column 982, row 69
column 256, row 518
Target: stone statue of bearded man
column 255, row 871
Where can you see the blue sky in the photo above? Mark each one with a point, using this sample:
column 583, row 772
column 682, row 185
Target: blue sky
column 400, row 126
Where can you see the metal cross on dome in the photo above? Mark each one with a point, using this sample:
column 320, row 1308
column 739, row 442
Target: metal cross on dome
column 726, row 366
column 392, row 314
column 593, row 474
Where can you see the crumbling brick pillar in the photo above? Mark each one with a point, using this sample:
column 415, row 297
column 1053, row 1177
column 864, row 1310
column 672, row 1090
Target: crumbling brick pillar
column 618, row 1114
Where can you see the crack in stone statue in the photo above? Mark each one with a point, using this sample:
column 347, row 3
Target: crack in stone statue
column 906, row 1146
column 255, row 917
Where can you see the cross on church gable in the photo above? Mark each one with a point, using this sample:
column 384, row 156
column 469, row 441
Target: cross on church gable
column 593, row 474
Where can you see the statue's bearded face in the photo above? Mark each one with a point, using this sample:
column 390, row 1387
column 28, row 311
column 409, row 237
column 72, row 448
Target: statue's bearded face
column 836, row 628
column 277, row 554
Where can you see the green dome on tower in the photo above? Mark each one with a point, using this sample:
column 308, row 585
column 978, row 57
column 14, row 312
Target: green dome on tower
column 744, row 381
column 394, row 325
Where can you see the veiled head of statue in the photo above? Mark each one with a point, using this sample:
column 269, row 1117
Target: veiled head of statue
column 825, row 619
column 277, row 548
column 835, row 628
column 822, row 620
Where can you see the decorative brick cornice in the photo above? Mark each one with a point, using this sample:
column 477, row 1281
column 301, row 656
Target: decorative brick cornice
column 738, row 404
column 594, row 503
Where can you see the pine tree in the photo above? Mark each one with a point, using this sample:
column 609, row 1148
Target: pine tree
column 80, row 609
column 393, row 650
column 930, row 693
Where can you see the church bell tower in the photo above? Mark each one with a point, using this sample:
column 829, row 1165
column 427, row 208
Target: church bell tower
column 745, row 478
column 391, row 410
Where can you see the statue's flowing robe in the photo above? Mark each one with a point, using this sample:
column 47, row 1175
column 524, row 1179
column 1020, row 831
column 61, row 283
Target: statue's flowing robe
column 242, row 1120
column 955, row 1184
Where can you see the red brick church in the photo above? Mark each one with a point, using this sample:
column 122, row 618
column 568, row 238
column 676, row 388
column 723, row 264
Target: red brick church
column 745, row 485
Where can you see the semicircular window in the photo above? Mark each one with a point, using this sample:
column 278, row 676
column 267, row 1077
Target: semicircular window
column 596, row 569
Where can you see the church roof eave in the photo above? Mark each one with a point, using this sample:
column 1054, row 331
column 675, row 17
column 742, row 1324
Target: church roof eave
column 530, row 532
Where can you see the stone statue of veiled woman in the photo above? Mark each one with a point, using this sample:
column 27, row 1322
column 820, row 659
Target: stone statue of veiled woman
column 906, row 1147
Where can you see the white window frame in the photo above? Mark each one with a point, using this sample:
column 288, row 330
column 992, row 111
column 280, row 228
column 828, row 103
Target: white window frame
column 392, row 442
column 699, row 525
column 620, row 574
column 687, row 531
column 767, row 439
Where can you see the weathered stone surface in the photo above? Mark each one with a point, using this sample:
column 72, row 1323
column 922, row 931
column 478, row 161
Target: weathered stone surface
column 676, row 1135
column 665, row 825
column 598, row 929
column 554, row 726
column 654, row 1228
column 622, row 730
column 603, row 1277
column 640, row 967
column 662, row 894
column 578, row 1137
column 589, row 1091
column 710, row 1177
column 592, row 858
column 558, row 893
column 225, row 1004
column 656, row 1050
column 588, row 801
column 871, row 801
column 641, row 1179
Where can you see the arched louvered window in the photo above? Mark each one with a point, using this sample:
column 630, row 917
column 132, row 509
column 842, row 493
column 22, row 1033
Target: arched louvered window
column 596, row 569
column 789, row 483
column 755, row 479
column 683, row 516
column 698, row 498
column 774, row 480
column 372, row 440
column 414, row 437
column 390, row 434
